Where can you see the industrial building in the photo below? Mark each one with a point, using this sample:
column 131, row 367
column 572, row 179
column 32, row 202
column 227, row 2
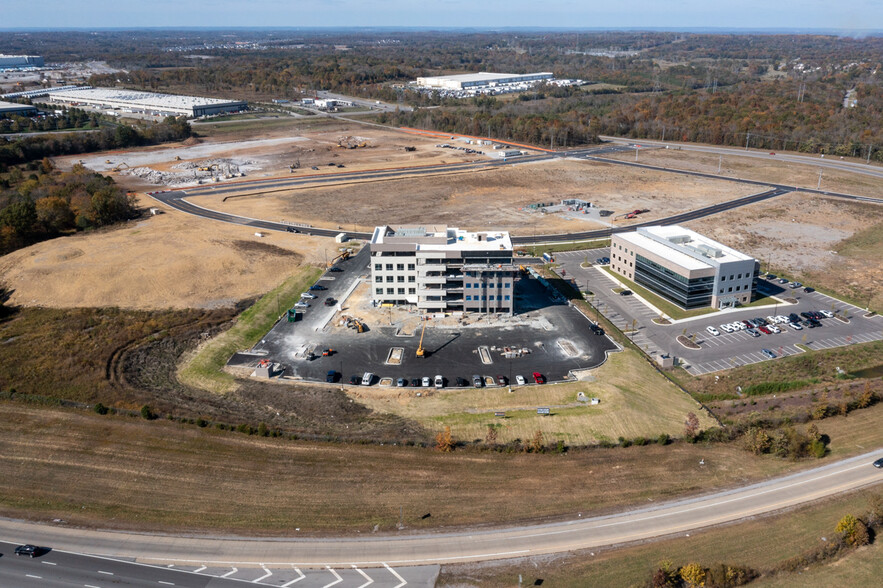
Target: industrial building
column 443, row 269
column 684, row 267
column 20, row 61
column 145, row 102
column 474, row 80
column 11, row 108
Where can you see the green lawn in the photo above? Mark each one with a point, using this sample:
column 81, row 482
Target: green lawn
column 204, row 369
column 665, row 306
column 537, row 250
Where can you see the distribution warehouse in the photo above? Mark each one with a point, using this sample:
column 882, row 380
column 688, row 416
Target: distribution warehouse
column 476, row 80
column 148, row 102
column 10, row 109
column 20, row 61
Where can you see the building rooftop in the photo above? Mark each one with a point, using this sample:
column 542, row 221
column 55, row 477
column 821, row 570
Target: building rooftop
column 441, row 238
column 4, row 106
column 684, row 247
column 483, row 76
column 150, row 99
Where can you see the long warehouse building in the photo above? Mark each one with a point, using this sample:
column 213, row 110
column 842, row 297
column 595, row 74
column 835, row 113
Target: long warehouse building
column 11, row 108
column 148, row 102
column 20, row 61
column 481, row 79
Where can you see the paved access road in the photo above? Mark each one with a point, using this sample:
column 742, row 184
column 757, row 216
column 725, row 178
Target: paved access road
column 579, row 532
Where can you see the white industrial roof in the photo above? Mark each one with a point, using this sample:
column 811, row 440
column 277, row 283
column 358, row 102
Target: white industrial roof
column 698, row 243
column 669, row 253
column 482, row 76
column 136, row 98
column 456, row 239
column 675, row 237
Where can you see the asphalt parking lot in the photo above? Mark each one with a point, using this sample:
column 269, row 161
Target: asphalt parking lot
column 554, row 337
column 727, row 350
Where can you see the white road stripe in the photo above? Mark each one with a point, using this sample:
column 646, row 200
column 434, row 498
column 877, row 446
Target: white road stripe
column 364, row 575
column 393, row 572
column 89, row 586
column 336, row 575
column 230, row 573
column 264, row 577
column 106, row 573
column 49, row 563
column 197, row 570
column 34, row 577
column 302, row 576
column 166, row 583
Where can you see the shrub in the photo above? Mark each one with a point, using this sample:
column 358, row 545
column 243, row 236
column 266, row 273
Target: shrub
column 663, row 439
column 201, row 422
column 100, row 409
column 853, row 531
column 147, row 414
column 640, row 441
column 444, row 441
column 757, row 441
column 693, row 575
column 262, row 430
column 818, row 449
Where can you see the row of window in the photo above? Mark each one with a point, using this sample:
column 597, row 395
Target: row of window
column 738, row 277
column 489, row 297
column 398, row 267
column 379, row 291
column 389, row 279
column 489, row 285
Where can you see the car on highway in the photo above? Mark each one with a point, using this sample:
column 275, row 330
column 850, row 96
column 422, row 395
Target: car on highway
column 879, row 463
column 439, row 382
column 315, row 287
column 712, row 330
column 292, row 230
column 330, row 302
column 519, row 380
column 354, row 380
column 308, row 296
column 625, row 293
column 29, row 550
column 367, row 379
column 477, row 381
column 768, row 353
column 334, row 269
column 401, row 382
column 538, row 378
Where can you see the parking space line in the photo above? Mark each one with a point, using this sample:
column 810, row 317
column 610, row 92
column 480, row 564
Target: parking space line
column 300, row 573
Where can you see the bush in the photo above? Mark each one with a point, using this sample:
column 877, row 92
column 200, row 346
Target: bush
column 853, row 531
column 663, row 439
column 100, row 409
column 818, row 449
column 693, row 575
column 201, row 422
column 147, row 413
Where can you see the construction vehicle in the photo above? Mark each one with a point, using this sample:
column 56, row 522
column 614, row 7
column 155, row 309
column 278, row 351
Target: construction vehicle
column 421, row 351
column 632, row 214
column 344, row 255
column 120, row 167
column 177, row 158
column 327, row 352
column 358, row 325
column 107, row 161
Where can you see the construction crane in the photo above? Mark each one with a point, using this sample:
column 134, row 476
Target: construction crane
column 421, row 352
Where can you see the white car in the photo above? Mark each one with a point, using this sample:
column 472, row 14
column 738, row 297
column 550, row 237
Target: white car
column 426, row 381
column 439, row 382
column 795, row 326
column 826, row 313
column 782, row 319
column 712, row 330
column 774, row 328
column 519, row 380
column 367, row 379
column 726, row 328
column 738, row 326
column 308, row 296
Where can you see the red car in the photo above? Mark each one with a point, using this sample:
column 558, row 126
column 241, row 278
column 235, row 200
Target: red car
column 538, row 378
column 764, row 330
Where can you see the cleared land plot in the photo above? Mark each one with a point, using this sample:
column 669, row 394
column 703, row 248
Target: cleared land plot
column 124, row 472
column 635, row 401
column 827, row 243
column 769, row 170
column 492, row 198
column 165, row 261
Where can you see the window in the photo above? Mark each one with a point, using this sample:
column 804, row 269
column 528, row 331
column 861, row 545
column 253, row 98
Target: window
column 730, row 289
column 378, row 266
column 378, row 291
column 739, row 276
column 389, row 267
column 400, row 279
column 400, row 267
column 738, row 288
column 506, row 297
column 411, row 279
column 491, row 285
column 508, row 285
column 401, row 290
column 468, row 285
column 388, row 279
column 390, row 290
column 722, row 291
column 732, row 276
column 491, row 297
column 378, row 279
column 469, row 297
column 411, row 267
column 412, row 290
column 723, row 278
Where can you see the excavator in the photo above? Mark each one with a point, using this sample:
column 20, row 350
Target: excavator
column 342, row 257
column 421, row 351
column 120, row 166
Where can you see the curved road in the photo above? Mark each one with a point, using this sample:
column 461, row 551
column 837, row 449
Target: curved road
column 579, row 533
column 177, row 198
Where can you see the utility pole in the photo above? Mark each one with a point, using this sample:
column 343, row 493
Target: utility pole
column 636, row 154
column 663, row 133
column 870, row 147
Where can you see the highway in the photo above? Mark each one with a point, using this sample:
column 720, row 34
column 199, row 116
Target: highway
column 577, row 533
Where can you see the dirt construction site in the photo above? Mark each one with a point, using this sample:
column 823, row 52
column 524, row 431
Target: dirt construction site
column 175, row 260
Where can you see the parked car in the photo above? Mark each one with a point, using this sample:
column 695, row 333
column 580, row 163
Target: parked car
column 29, row 550
column 415, row 382
column 477, row 381
column 539, row 378
column 809, row 290
column 806, row 315
column 308, row 296
column 462, row 382
column 331, row 376
column 354, row 380
column 793, row 317
column 796, row 326
column 752, row 332
column 726, row 328
column 748, row 325
column 879, row 463
column 768, row 353
column 826, row 313
column 367, row 379
column 426, row 382
column 596, row 329
column 774, row 329
column 712, row 330
column 625, row 293
column 600, row 261
column 401, row 382
column 758, row 322
column 334, row 268
column 815, row 322
column 302, row 304
column 439, row 382
column 783, row 281
column 501, row 380
column 794, row 285
column 771, row 276
column 808, row 324
column 318, row 287
column 519, row 380
column 763, row 329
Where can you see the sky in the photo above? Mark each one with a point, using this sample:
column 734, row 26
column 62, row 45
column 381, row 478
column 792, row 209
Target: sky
column 854, row 15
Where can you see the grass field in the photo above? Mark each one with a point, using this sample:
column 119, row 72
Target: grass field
column 635, row 402
column 538, row 250
column 203, row 369
column 760, row 544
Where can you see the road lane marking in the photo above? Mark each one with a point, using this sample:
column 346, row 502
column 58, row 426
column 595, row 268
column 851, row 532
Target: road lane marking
column 89, row 586
column 166, row 583
column 302, row 576
column 34, row 577
column 336, row 575
column 394, row 573
column 105, row 573
column 230, row 573
column 364, row 575
column 49, row 563
column 267, row 575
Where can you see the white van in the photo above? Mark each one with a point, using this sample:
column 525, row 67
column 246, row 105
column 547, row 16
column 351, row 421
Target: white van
column 367, row 379
column 439, row 382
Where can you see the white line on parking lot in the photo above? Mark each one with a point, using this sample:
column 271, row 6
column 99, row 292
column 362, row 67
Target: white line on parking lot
column 364, row 575
column 267, row 575
column 336, row 575
column 230, row 573
column 393, row 572
column 302, row 576
column 197, row 570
